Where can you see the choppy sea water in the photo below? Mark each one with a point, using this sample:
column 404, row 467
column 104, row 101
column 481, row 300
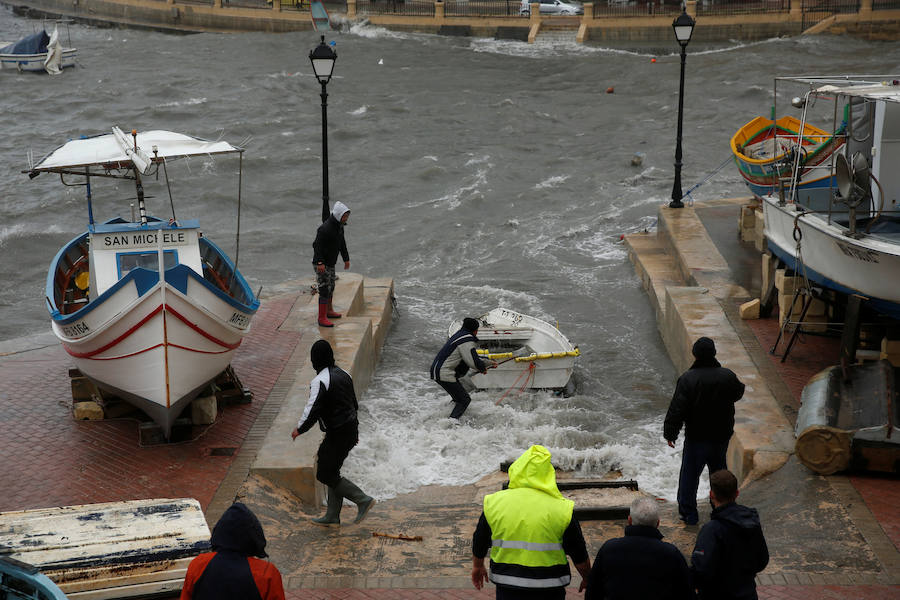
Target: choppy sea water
column 479, row 172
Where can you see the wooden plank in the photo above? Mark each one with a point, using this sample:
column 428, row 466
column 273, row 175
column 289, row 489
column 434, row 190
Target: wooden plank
column 170, row 588
column 175, row 570
column 114, row 544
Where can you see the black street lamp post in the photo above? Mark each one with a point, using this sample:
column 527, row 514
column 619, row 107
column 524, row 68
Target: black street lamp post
column 322, row 58
column 684, row 27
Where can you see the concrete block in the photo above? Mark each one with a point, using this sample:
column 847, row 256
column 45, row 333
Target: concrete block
column 750, row 310
column 760, row 231
column 747, row 224
column 890, row 346
column 767, row 260
column 784, row 304
column 894, row 359
column 204, row 410
column 817, row 308
column 83, row 389
column 88, row 411
column 787, row 284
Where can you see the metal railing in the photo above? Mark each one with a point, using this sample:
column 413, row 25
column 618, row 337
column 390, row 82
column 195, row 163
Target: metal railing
column 830, row 6
column 483, row 8
column 414, row 8
column 742, row 7
column 885, row 4
column 635, row 8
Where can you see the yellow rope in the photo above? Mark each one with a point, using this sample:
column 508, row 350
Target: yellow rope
column 530, row 357
column 545, row 355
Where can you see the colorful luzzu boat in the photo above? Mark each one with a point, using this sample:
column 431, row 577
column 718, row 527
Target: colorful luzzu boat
column 767, row 151
column 149, row 310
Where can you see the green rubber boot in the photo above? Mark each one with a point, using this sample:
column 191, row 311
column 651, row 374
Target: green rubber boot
column 332, row 516
column 362, row 500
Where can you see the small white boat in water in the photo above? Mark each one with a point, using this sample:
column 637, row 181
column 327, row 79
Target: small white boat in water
column 530, row 353
column 148, row 309
column 37, row 52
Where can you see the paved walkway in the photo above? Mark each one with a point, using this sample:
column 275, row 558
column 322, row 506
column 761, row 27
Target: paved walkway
column 833, row 537
column 49, row 459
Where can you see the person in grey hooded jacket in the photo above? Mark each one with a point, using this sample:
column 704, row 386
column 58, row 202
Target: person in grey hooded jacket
column 730, row 549
column 328, row 244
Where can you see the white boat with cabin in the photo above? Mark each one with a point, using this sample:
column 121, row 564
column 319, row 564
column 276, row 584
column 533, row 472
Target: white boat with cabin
column 849, row 239
column 530, row 353
column 148, row 309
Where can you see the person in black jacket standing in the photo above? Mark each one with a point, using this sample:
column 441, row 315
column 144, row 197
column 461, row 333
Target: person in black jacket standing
column 731, row 548
column 640, row 565
column 328, row 244
column 704, row 402
column 332, row 402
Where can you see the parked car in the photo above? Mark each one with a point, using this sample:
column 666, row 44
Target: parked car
column 553, row 7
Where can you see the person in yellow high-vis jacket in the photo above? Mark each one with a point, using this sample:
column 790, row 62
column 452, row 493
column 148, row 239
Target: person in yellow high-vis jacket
column 530, row 528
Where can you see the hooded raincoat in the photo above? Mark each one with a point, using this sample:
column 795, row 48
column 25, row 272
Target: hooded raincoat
column 530, row 528
column 729, row 552
column 234, row 569
column 329, row 240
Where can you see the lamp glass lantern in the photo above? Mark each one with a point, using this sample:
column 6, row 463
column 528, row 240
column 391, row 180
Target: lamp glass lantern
column 684, row 28
column 323, row 58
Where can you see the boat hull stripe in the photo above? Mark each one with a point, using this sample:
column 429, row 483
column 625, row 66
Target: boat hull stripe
column 228, row 347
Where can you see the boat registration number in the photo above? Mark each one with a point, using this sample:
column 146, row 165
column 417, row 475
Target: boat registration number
column 76, row 330
column 239, row 320
column 514, row 317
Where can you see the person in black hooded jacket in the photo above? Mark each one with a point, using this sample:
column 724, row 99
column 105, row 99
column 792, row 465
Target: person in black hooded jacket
column 232, row 570
column 731, row 548
column 332, row 403
column 704, row 403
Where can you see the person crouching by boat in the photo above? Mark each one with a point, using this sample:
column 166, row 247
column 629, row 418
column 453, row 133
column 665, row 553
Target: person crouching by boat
column 332, row 402
column 234, row 570
column 328, row 244
column 454, row 360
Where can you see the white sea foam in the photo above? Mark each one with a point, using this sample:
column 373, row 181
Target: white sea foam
column 188, row 102
column 365, row 29
column 360, row 111
column 407, row 440
column 551, row 182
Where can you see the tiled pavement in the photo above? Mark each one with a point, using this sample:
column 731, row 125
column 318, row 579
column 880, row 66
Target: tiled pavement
column 83, row 462
column 774, row 592
column 49, row 459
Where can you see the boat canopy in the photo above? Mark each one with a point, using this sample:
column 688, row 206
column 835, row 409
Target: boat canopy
column 117, row 150
column 35, row 43
column 889, row 91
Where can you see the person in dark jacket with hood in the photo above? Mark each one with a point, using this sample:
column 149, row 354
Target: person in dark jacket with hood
column 332, row 403
column 328, row 244
column 704, row 403
column 640, row 565
column 731, row 548
column 455, row 358
column 234, row 570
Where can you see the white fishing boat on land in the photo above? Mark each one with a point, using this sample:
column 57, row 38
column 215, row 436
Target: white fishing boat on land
column 849, row 239
column 36, row 53
column 148, row 309
column 530, row 353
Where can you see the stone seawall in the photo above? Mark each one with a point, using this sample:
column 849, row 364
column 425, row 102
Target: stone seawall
column 218, row 16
